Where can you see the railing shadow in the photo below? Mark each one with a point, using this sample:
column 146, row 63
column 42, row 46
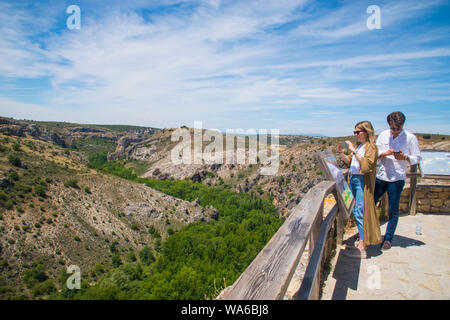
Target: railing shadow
column 346, row 273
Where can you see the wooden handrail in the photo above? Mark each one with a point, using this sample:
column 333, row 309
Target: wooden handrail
column 309, row 288
column 270, row 273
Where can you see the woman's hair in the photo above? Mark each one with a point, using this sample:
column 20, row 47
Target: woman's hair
column 368, row 128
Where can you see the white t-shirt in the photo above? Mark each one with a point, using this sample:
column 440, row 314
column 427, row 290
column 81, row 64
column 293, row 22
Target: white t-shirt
column 354, row 165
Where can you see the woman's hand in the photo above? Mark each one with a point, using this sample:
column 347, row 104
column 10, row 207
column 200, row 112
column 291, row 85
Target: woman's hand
column 339, row 147
column 350, row 146
column 342, row 155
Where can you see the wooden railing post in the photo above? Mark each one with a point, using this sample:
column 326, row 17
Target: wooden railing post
column 315, row 230
column 340, row 223
column 315, row 290
column 412, row 193
column 310, row 287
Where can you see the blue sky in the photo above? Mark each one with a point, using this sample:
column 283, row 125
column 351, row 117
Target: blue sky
column 295, row 65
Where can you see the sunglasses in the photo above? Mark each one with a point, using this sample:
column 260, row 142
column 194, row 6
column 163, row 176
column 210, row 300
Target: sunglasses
column 396, row 129
column 357, row 132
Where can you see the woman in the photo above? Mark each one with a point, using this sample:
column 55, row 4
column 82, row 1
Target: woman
column 363, row 167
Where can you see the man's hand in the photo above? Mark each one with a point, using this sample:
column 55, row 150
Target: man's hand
column 400, row 156
column 387, row 153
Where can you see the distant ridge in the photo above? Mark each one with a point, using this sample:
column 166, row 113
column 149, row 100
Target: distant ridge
column 303, row 134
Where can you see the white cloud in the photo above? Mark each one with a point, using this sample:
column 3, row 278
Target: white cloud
column 219, row 62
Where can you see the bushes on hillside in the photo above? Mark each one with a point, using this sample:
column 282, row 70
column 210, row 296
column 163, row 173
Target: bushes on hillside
column 72, row 183
column 201, row 254
column 14, row 160
column 146, row 256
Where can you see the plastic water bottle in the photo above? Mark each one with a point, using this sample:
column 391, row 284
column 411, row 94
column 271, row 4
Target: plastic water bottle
column 419, row 228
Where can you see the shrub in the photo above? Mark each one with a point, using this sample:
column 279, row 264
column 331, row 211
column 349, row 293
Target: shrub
column 14, row 160
column 35, row 275
column 40, row 190
column 16, row 146
column 115, row 260
column 43, row 288
column 71, row 183
column 154, row 232
column 87, row 190
column 146, row 256
column 97, row 269
column 113, row 246
column 135, row 226
column 131, row 257
column 13, row 175
column 3, row 196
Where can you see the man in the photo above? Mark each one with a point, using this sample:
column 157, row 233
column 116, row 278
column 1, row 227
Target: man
column 397, row 148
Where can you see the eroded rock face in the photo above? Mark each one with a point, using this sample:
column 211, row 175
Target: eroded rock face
column 143, row 209
column 191, row 211
column 13, row 130
column 33, row 130
column 65, row 137
column 440, row 146
column 137, row 146
column 85, row 129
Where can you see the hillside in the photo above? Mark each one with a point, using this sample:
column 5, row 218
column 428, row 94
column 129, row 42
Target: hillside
column 108, row 199
column 55, row 212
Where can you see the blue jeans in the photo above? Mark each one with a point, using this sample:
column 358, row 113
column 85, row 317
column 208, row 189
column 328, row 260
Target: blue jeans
column 394, row 190
column 357, row 187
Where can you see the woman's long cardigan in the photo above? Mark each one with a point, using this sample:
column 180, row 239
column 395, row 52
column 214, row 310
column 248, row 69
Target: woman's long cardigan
column 371, row 223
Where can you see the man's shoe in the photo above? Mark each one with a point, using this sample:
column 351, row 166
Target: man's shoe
column 386, row 246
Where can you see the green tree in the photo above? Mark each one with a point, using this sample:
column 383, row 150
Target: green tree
column 146, row 256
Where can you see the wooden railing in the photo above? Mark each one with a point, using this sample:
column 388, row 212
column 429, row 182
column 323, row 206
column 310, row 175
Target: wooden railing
column 270, row 273
column 413, row 175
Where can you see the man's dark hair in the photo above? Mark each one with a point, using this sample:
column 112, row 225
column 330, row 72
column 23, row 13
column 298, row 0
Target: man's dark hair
column 396, row 118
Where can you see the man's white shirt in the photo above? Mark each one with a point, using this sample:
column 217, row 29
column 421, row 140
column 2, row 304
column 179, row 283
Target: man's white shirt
column 390, row 169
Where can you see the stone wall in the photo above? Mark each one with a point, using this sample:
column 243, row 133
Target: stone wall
column 430, row 199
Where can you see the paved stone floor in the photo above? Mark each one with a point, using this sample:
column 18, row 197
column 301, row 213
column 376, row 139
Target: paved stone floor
column 416, row 267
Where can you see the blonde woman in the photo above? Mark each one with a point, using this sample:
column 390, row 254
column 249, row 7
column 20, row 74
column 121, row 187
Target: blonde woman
column 363, row 169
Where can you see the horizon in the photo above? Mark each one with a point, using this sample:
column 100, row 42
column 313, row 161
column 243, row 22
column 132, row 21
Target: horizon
column 311, row 135
column 303, row 67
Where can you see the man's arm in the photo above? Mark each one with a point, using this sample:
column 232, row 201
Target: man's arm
column 414, row 149
column 382, row 145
